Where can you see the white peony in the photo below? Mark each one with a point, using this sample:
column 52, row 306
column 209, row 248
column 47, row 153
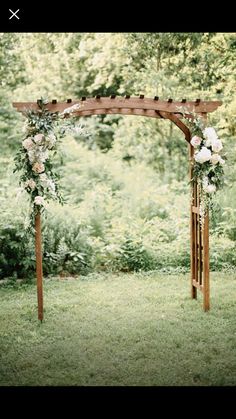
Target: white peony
column 39, row 200
column 39, row 138
column 28, row 143
column 209, row 134
column 38, row 167
column 196, row 141
column 221, row 161
column 203, row 155
column 215, row 158
column 216, row 145
column 207, row 143
column 209, row 188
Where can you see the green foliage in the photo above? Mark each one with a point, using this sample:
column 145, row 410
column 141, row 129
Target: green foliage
column 126, row 183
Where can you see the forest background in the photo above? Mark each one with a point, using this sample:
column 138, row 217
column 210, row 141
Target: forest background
column 125, row 178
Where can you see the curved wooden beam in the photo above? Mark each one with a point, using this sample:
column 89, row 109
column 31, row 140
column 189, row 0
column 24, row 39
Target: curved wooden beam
column 172, row 117
column 89, row 104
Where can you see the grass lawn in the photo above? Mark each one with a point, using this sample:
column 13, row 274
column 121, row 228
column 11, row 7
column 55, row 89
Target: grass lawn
column 124, row 330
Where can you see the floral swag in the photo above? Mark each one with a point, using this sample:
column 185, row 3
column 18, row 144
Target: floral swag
column 207, row 161
column 40, row 146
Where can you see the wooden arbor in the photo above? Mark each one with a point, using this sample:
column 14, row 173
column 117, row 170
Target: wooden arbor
column 153, row 108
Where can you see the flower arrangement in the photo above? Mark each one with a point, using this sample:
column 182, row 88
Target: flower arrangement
column 39, row 176
column 207, row 161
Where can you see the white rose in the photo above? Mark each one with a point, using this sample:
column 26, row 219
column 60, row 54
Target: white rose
column 203, row 155
column 39, row 200
column 28, row 143
column 38, row 139
column 216, row 145
column 38, row 167
column 215, row 158
column 209, row 188
column 196, row 141
column 210, row 134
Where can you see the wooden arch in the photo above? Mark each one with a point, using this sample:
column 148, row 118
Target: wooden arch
column 152, row 108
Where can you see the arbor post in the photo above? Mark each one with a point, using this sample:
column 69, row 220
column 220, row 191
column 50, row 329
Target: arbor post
column 39, row 264
column 206, row 267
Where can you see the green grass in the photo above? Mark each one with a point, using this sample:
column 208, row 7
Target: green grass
column 132, row 329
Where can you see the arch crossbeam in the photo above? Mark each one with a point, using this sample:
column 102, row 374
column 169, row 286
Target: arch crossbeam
column 108, row 103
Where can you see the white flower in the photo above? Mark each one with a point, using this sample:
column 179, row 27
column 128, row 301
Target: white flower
column 215, row 158
column 51, row 140
column 209, row 134
column 31, row 155
column 39, row 138
column 205, row 181
column 207, row 143
column 30, row 183
column 39, row 200
column 38, row 167
column 221, row 161
column 216, row 145
column 43, row 177
column 47, row 183
column 196, row 141
column 28, row 143
column 203, row 155
column 209, row 188
column 42, row 156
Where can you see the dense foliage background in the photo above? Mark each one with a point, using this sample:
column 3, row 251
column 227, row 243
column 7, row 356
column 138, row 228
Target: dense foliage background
column 125, row 178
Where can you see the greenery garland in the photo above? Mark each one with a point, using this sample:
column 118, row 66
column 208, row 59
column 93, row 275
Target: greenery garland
column 207, row 161
column 35, row 158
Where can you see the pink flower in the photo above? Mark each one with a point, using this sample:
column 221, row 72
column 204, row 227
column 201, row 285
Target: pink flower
column 38, row 167
column 38, row 138
column 196, row 141
column 30, row 183
column 28, row 143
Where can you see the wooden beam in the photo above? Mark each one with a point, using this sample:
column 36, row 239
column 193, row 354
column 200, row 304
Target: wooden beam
column 172, row 117
column 39, row 265
column 197, row 285
column 122, row 102
column 123, row 111
column 206, row 267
